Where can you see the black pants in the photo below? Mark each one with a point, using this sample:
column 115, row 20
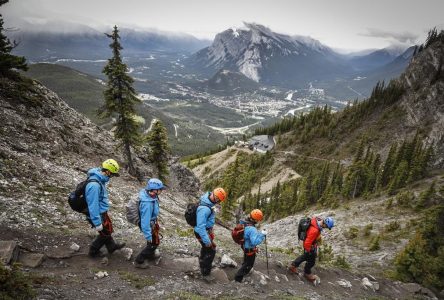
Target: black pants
column 247, row 265
column 309, row 258
column 146, row 253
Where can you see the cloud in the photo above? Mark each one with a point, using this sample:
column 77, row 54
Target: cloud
column 402, row 37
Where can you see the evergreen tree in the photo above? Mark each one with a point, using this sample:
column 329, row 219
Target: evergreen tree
column 120, row 99
column 159, row 149
column 8, row 62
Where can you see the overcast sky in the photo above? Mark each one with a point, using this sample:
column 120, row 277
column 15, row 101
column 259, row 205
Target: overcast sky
column 344, row 24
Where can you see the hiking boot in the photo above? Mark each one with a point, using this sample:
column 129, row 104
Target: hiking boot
column 144, row 265
column 293, row 270
column 112, row 246
column 310, row 277
column 93, row 252
column 208, row 278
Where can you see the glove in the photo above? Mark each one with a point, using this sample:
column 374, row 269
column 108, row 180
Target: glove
column 99, row 228
column 264, row 232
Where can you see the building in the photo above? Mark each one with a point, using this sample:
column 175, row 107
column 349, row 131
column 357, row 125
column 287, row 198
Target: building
column 261, row 143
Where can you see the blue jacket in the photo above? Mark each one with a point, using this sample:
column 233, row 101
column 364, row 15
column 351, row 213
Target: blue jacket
column 96, row 195
column 149, row 210
column 252, row 236
column 205, row 218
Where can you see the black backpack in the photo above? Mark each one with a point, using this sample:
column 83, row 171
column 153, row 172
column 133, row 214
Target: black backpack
column 304, row 223
column 76, row 198
column 191, row 213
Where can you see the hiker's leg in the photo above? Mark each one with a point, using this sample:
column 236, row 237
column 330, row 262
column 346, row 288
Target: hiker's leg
column 246, row 267
column 146, row 253
column 98, row 242
column 207, row 260
column 311, row 260
column 300, row 260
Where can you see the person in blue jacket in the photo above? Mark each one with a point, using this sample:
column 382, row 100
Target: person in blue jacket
column 149, row 210
column 96, row 197
column 252, row 238
column 205, row 219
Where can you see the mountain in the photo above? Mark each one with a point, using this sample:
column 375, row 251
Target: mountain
column 376, row 58
column 90, row 44
column 229, row 82
column 268, row 57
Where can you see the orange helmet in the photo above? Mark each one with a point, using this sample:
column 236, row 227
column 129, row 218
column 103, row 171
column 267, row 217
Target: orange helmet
column 220, row 194
column 256, row 215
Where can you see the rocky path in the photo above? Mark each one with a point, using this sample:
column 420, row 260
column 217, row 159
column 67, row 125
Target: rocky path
column 67, row 274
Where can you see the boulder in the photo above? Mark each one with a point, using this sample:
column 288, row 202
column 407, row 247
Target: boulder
column 220, row 276
column 344, row 283
column 226, row 261
column 31, row 260
column 186, row 264
column 127, row 253
column 9, row 251
column 74, row 247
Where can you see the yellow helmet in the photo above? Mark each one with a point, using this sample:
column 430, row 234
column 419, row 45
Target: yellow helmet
column 111, row 165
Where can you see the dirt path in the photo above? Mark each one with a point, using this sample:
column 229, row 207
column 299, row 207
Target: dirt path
column 75, row 277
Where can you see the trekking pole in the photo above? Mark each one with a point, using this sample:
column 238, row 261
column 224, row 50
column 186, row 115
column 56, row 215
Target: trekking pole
column 266, row 255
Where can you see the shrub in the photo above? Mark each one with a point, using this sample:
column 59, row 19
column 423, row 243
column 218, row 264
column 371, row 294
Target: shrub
column 405, row 199
column 392, row 226
column 374, row 244
column 15, row 284
column 340, row 262
column 367, row 229
column 422, row 260
column 352, row 233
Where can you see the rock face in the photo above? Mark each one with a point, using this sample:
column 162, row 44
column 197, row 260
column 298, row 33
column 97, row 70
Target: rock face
column 423, row 100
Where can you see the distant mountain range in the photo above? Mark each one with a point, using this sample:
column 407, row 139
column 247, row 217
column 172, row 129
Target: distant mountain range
column 91, row 44
column 262, row 56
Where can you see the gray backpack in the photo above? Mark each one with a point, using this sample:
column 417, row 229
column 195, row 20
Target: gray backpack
column 133, row 210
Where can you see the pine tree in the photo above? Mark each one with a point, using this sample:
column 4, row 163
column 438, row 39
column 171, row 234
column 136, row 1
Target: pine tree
column 8, row 62
column 159, row 149
column 120, row 99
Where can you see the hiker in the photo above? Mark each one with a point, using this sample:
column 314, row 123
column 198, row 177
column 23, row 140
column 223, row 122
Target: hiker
column 252, row 238
column 205, row 219
column 96, row 196
column 310, row 246
column 149, row 210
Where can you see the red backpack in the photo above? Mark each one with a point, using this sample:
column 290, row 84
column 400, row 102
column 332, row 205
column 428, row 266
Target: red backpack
column 238, row 233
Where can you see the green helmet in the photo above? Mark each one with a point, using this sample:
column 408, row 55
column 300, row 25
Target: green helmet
column 111, row 165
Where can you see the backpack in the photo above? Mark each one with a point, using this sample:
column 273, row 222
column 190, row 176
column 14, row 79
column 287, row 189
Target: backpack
column 76, row 198
column 133, row 210
column 238, row 233
column 191, row 213
column 304, row 223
